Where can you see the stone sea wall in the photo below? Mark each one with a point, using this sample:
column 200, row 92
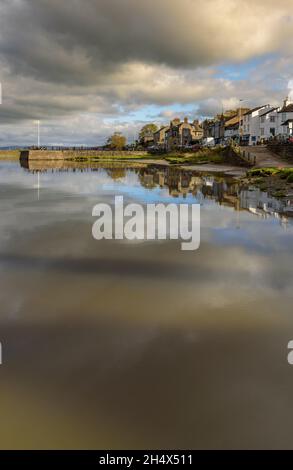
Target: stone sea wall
column 284, row 150
column 75, row 154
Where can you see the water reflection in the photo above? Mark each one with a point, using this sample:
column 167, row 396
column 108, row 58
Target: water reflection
column 122, row 345
column 183, row 184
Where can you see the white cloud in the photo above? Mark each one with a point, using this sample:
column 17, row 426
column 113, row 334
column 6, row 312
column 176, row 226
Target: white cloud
column 79, row 63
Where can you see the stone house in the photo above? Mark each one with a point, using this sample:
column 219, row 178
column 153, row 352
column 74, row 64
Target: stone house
column 160, row 136
column 223, row 125
column 181, row 134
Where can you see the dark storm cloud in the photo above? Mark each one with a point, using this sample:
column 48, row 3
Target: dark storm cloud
column 59, row 58
column 78, row 40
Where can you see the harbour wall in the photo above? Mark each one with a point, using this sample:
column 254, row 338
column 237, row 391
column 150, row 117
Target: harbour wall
column 76, row 154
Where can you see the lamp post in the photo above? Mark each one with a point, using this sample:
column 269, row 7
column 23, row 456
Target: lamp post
column 38, row 131
column 37, row 122
column 240, row 115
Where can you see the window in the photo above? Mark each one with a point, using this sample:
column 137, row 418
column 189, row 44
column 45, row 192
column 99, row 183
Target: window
column 272, row 131
column 262, row 131
column 262, row 119
column 284, row 117
column 272, row 118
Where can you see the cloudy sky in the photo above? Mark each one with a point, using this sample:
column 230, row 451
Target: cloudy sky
column 86, row 68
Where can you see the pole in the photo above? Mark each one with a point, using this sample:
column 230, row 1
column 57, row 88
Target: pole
column 240, row 101
column 240, row 116
column 38, row 122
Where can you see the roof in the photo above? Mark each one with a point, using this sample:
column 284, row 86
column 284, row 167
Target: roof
column 287, row 122
column 232, row 121
column 268, row 111
column 232, row 126
column 161, row 129
column 255, row 109
column 287, row 109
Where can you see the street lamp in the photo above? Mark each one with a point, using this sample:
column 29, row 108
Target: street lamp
column 240, row 127
column 38, row 131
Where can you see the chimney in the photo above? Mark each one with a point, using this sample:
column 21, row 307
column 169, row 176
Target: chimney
column 287, row 101
column 186, row 120
column 175, row 122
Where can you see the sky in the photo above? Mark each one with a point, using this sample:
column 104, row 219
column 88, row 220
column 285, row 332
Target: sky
column 88, row 68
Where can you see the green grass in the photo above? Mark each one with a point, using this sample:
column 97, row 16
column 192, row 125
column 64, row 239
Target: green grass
column 125, row 157
column 200, row 157
column 282, row 173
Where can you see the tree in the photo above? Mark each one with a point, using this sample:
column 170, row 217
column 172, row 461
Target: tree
column 117, row 141
column 147, row 131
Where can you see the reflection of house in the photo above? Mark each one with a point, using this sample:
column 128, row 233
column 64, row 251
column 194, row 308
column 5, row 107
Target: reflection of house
column 148, row 180
column 225, row 192
column 260, row 203
column 181, row 134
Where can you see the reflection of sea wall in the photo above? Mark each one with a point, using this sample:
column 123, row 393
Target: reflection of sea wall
column 68, row 154
column 65, row 165
column 9, row 153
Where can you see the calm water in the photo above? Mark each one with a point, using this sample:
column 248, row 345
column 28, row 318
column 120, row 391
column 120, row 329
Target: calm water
column 116, row 344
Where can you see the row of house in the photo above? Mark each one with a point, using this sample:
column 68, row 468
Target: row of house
column 244, row 125
column 176, row 135
column 267, row 122
column 251, row 126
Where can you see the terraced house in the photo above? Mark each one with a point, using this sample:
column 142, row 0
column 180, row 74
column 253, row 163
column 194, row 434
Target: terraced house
column 286, row 119
column 160, row 137
column 223, row 126
column 182, row 134
column 267, row 122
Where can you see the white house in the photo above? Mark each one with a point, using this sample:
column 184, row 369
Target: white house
column 250, row 124
column 289, row 126
column 285, row 120
column 232, row 127
column 268, row 123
